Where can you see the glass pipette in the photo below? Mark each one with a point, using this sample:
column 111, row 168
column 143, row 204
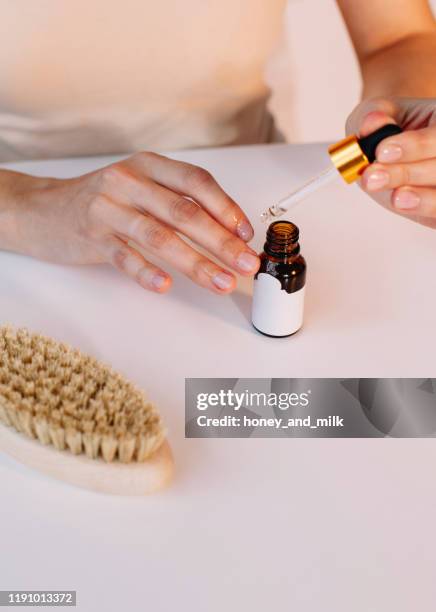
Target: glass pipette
column 299, row 194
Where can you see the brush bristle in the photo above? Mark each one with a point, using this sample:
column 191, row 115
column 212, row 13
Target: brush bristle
column 53, row 393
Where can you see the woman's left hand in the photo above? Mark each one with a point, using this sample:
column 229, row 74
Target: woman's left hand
column 403, row 177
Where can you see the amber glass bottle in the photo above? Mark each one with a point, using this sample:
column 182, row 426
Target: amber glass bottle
column 278, row 296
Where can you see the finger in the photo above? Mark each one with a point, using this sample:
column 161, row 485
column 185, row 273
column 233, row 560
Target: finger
column 410, row 146
column 409, row 113
column 419, row 201
column 127, row 260
column 373, row 121
column 194, row 222
column 161, row 241
column 371, row 115
column 199, row 184
column 188, row 217
column 378, row 177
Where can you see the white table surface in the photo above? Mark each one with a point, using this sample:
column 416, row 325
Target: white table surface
column 257, row 524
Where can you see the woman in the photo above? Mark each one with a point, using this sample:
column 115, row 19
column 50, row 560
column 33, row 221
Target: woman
column 98, row 77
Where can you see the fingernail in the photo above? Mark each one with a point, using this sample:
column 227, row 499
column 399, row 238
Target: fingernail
column 247, row 262
column 376, row 180
column 158, row 281
column 406, row 200
column 222, row 280
column 389, row 153
column 244, row 230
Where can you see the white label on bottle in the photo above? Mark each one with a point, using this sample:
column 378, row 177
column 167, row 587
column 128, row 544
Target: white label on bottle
column 275, row 311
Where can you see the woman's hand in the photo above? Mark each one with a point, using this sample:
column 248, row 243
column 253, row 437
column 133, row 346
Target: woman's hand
column 126, row 212
column 403, row 178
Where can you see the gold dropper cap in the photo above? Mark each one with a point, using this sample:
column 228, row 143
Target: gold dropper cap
column 348, row 157
column 352, row 155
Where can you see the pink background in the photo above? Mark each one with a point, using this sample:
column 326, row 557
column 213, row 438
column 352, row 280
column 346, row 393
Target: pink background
column 314, row 60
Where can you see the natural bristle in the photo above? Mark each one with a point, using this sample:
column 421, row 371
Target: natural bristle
column 53, row 393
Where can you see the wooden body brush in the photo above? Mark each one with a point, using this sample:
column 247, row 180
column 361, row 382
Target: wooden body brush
column 74, row 418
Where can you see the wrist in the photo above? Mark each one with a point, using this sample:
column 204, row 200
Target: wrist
column 17, row 195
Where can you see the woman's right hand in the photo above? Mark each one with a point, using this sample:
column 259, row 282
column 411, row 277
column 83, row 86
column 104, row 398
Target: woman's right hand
column 125, row 212
column 403, row 177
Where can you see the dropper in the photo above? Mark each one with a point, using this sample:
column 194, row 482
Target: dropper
column 349, row 156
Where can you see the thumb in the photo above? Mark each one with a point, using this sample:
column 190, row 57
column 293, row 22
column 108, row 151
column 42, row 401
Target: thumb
column 370, row 115
column 408, row 113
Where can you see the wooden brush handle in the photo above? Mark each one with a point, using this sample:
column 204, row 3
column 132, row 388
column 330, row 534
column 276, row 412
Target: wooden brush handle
column 115, row 478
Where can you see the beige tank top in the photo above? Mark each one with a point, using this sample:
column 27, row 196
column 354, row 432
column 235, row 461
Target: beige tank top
column 103, row 76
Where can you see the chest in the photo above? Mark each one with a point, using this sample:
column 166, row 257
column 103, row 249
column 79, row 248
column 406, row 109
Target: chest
column 54, row 52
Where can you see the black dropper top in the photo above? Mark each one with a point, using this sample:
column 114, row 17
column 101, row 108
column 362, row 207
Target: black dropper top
column 369, row 143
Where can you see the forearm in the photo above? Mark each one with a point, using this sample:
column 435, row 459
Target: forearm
column 406, row 68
